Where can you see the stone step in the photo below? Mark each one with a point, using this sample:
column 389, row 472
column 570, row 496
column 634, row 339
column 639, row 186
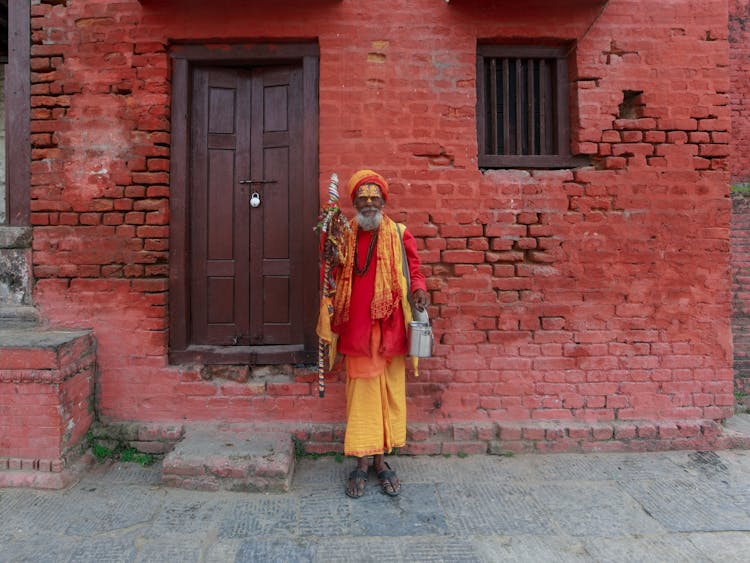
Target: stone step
column 14, row 317
column 737, row 431
column 46, row 397
column 212, row 458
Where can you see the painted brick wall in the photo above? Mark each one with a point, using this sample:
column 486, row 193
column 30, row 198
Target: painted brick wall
column 594, row 294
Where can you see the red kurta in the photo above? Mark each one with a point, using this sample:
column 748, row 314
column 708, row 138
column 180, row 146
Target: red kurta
column 354, row 336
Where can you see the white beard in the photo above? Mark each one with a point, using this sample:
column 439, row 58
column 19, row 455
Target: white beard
column 369, row 223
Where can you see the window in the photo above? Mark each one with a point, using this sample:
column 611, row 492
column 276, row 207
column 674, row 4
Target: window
column 522, row 107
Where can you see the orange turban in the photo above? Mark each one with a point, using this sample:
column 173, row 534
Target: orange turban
column 367, row 177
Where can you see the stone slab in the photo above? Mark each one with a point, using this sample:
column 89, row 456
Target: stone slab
column 737, row 431
column 669, row 506
column 209, row 458
column 15, row 237
column 598, row 508
column 35, row 338
column 17, row 316
column 689, row 505
column 484, row 508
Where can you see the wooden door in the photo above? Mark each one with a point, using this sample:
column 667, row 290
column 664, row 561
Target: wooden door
column 248, row 271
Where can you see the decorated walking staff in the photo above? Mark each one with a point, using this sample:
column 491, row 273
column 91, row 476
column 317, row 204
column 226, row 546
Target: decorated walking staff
column 332, row 228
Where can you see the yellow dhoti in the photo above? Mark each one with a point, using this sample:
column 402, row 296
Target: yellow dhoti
column 376, row 411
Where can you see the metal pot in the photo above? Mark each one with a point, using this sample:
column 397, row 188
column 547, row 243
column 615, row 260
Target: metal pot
column 420, row 339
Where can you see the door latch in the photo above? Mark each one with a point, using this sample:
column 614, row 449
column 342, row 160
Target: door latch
column 258, row 181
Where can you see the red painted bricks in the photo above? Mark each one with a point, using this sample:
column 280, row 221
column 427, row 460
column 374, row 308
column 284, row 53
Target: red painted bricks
column 599, row 279
column 46, row 396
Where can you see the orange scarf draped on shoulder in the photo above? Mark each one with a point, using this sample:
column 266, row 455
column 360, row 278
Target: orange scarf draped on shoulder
column 388, row 291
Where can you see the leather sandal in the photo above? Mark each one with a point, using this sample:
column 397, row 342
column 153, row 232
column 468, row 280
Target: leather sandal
column 354, row 478
column 388, row 481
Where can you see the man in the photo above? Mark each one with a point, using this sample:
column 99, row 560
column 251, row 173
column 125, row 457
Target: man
column 371, row 316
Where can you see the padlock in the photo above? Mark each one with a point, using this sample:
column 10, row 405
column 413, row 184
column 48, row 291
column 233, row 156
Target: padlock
column 255, row 199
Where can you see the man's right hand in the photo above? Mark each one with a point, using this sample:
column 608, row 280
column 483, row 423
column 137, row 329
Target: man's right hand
column 420, row 299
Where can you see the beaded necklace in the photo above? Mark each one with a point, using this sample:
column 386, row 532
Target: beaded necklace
column 362, row 271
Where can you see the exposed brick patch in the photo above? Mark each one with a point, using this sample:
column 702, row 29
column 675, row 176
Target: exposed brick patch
column 700, row 141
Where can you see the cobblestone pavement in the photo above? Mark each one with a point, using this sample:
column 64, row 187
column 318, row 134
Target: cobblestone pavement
column 673, row 506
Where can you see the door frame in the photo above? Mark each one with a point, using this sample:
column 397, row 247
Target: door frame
column 183, row 57
column 17, row 115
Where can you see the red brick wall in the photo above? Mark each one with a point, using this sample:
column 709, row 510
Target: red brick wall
column 600, row 293
column 739, row 58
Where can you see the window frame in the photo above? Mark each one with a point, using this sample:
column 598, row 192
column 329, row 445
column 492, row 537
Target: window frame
column 562, row 158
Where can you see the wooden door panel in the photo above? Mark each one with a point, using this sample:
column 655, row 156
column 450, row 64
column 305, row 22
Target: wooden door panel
column 278, row 97
column 247, row 272
column 243, row 286
column 220, row 297
column 275, row 104
column 220, row 205
column 276, row 205
column 222, row 106
column 276, row 300
column 218, row 256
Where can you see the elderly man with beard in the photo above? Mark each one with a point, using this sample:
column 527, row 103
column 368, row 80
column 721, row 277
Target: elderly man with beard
column 371, row 315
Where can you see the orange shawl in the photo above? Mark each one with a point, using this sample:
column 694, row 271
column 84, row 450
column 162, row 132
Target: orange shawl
column 387, row 283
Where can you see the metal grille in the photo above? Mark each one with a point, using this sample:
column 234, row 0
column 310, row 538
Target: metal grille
column 520, row 108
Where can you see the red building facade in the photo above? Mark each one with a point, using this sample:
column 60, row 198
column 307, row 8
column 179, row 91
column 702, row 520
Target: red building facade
column 579, row 302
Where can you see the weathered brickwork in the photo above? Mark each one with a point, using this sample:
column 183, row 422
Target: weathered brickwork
column 593, row 295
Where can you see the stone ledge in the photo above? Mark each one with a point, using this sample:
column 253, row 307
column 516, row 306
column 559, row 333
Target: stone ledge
column 15, row 237
column 502, row 437
column 32, row 355
column 210, row 458
column 18, row 317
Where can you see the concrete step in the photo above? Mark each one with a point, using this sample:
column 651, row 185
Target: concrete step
column 212, row 458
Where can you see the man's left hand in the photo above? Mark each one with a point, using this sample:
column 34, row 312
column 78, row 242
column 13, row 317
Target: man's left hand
column 420, row 299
